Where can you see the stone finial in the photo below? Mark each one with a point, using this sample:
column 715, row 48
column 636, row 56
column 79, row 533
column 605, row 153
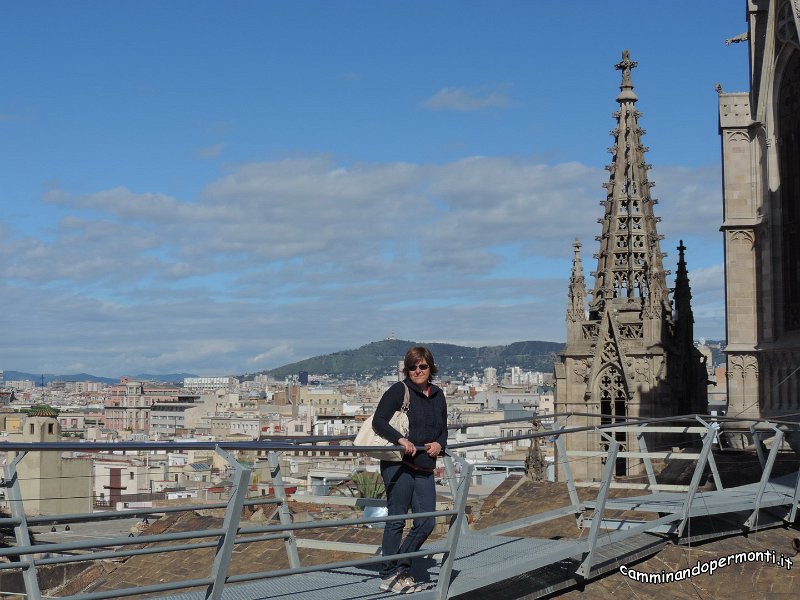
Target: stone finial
column 577, row 266
column 626, row 86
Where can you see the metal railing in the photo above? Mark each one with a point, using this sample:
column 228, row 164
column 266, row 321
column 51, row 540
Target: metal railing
column 226, row 537
column 233, row 533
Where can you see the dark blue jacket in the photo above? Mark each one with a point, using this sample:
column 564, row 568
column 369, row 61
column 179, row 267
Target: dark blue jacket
column 427, row 419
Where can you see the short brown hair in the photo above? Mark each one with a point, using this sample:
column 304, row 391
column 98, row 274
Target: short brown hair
column 416, row 354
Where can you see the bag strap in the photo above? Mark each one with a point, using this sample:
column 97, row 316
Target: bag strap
column 406, row 398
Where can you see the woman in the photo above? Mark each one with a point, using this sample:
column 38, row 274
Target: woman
column 410, row 482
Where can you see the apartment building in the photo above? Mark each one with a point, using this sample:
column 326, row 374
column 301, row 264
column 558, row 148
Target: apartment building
column 205, row 385
column 128, row 405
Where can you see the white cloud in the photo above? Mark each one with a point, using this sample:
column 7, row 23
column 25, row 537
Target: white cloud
column 705, row 279
column 284, row 259
column 449, row 98
column 281, row 352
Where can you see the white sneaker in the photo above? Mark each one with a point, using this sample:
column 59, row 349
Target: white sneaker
column 402, row 583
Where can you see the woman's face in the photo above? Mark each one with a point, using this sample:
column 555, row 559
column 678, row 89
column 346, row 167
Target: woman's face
column 418, row 374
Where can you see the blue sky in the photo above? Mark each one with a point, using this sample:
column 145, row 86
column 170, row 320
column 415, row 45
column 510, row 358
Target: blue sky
column 225, row 187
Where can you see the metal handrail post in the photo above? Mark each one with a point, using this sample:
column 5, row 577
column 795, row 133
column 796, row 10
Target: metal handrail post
column 233, row 514
column 21, row 532
column 602, row 495
column 696, row 476
column 284, row 514
column 562, row 459
column 712, row 462
column 792, row 514
column 648, row 463
column 453, row 534
column 756, row 435
column 452, row 483
column 752, row 520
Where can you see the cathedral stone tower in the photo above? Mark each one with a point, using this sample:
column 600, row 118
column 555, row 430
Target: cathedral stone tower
column 628, row 354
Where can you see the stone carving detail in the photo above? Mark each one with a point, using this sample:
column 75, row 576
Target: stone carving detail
column 743, row 364
column 581, row 371
column 591, row 331
column 575, row 315
column 736, row 136
column 639, row 369
column 631, row 331
column 742, row 235
column 609, row 353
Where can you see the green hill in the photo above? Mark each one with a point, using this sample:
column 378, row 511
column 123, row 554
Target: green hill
column 380, row 358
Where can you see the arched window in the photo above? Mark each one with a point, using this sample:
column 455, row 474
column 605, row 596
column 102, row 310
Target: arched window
column 613, row 397
column 788, row 127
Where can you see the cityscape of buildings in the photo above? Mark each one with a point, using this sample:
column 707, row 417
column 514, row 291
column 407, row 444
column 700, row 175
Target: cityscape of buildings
column 226, row 408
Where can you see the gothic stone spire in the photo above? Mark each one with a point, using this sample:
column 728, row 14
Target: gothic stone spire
column 682, row 297
column 629, row 264
column 631, row 356
column 576, row 309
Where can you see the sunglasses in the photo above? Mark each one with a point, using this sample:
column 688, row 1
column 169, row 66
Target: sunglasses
column 418, row 368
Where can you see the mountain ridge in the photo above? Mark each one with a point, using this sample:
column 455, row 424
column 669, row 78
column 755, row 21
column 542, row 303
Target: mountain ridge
column 379, row 358
column 50, row 377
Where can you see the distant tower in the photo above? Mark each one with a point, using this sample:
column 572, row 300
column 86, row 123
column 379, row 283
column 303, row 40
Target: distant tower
column 630, row 356
column 51, row 484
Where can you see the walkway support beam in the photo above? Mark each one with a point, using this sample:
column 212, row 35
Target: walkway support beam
column 696, row 476
column 21, row 532
column 752, row 520
column 602, row 495
column 456, row 526
column 284, row 514
column 233, row 514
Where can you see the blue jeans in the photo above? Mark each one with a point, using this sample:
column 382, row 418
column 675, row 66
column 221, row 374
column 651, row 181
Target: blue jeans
column 406, row 488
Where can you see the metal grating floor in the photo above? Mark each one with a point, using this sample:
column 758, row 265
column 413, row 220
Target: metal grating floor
column 482, row 561
column 778, row 492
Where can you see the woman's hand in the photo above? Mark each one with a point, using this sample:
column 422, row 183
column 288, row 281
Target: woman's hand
column 408, row 446
column 433, row 449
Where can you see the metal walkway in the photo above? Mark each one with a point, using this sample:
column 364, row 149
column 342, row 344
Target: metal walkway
column 464, row 564
column 481, row 561
column 778, row 492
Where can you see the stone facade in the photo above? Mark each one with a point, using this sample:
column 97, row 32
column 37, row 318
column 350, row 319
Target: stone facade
column 51, row 484
column 628, row 354
column 760, row 135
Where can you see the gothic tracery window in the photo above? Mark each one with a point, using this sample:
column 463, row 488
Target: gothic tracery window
column 613, row 397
